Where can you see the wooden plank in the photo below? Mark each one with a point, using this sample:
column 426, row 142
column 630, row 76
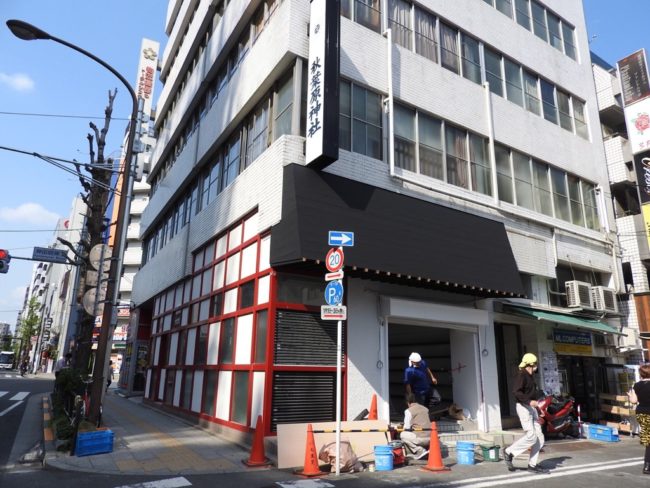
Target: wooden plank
column 613, row 398
column 614, row 409
column 292, row 440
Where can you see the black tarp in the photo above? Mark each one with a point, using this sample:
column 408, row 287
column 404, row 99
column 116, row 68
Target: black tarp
column 394, row 233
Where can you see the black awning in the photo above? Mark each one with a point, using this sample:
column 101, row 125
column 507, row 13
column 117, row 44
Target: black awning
column 395, row 235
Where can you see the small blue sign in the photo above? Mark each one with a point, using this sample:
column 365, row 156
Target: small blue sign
column 340, row 238
column 334, row 293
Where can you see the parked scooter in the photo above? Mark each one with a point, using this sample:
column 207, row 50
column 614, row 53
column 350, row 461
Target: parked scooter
column 557, row 416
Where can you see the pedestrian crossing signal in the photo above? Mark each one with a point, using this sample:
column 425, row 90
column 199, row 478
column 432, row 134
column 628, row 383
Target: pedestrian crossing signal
column 4, row 260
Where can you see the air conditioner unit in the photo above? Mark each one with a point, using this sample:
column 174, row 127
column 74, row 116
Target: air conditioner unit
column 604, row 299
column 578, row 294
column 604, row 340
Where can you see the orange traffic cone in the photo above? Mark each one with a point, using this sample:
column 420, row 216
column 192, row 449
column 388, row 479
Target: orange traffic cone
column 372, row 415
column 435, row 458
column 311, row 458
column 257, row 457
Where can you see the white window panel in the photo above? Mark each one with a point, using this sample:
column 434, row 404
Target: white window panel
column 234, row 238
column 156, row 349
column 265, row 253
column 177, row 388
column 263, row 288
column 173, row 350
column 191, row 341
column 249, row 260
column 213, row 344
column 217, row 279
column 232, row 269
column 230, row 301
column 250, row 226
column 221, row 246
column 257, row 400
column 244, row 339
column 197, row 391
column 223, row 395
column 161, row 385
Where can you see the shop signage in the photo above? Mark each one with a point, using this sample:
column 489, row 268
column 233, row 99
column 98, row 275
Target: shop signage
column 637, row 121
column 573, row 343
column 633, row 73
column 322, row 141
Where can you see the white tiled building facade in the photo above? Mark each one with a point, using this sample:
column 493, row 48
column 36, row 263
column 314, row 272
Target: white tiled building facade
column 494, row 116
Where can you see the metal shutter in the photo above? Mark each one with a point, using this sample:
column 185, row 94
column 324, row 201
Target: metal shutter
column 303, row 339
column 300, row 397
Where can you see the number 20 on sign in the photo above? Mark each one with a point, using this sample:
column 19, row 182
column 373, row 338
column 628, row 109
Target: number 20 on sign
column 334, row 259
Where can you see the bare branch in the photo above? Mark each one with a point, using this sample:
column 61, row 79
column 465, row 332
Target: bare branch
column 69, row 245
column 91, row 153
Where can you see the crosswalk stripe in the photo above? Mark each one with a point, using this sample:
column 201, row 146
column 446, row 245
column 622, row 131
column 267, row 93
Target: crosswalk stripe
column 3, row 393
column 19, row 396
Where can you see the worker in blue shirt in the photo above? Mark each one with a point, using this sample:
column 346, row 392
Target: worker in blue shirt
column 419, row 379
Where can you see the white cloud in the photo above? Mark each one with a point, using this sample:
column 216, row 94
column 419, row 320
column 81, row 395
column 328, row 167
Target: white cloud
column 17, row 81
column 28, row 213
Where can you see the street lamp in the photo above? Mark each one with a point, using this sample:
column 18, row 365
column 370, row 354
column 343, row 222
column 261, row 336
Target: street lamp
column 28, row 32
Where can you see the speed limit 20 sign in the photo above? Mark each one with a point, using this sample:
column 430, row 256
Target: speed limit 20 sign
column 334, row 259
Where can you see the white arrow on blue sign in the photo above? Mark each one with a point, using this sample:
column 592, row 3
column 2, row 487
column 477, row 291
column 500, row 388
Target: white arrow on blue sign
column 340, row 238
column 334, row 293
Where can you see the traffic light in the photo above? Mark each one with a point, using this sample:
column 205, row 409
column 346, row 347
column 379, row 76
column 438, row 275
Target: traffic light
column 4, row 260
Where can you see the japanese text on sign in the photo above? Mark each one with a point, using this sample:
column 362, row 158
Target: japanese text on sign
column 315, row 98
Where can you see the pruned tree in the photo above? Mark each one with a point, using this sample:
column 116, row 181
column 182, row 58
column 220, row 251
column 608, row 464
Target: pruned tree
column 29, row 325
column 96, row 184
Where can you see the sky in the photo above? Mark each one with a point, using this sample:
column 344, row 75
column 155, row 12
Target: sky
column 43, row 77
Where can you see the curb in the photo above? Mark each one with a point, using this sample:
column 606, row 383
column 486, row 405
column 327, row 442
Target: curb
column 49, row 438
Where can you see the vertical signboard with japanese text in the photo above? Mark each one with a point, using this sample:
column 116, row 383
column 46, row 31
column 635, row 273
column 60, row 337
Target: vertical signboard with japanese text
column 322, row 134
column 635, row 88
column 147, row 72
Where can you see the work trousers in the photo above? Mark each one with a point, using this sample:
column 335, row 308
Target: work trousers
column 532, row 438
column 413, row 442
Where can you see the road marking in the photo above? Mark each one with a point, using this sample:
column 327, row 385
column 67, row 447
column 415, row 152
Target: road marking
column 304, row 484
column 19, row 396
column 525, row 477
column 7, row 410
column 3, row 393
column 168, row 483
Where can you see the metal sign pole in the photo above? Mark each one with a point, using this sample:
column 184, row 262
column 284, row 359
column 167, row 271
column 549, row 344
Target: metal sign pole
column 339, row 335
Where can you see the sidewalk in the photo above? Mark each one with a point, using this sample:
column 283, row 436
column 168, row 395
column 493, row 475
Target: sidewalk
column 149, row 442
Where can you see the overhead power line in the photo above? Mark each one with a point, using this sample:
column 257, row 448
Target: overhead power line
column 62, row 116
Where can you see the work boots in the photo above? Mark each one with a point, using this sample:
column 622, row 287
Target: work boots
column 646, row 468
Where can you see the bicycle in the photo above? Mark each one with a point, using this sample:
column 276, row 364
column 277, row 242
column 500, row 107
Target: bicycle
column 82, row 404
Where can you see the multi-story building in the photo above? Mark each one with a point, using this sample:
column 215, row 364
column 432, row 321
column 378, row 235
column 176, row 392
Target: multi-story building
column 624, row 190
column 53, row 286
column 125, row 341
column 471, row 170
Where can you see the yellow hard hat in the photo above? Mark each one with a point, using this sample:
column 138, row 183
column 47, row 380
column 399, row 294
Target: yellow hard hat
column 527, row 360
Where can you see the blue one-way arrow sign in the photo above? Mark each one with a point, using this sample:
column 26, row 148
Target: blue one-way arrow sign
column 340, row 238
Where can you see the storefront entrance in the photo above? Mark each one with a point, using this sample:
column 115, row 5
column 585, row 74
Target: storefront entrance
column 432, row 343
column 583, row 378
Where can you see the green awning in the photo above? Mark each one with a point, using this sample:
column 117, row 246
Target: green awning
column 562, row 318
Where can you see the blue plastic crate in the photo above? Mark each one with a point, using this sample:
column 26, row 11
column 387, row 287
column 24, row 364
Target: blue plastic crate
column 96, row 442
column 603, row 433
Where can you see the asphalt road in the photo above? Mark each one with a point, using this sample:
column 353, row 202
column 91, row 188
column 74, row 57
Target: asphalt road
column 573, row 464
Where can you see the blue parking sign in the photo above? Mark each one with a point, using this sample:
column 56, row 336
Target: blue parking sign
column 334, row 293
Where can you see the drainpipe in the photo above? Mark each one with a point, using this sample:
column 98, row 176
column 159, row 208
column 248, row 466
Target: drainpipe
column 493, row 159
column 388, row 102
